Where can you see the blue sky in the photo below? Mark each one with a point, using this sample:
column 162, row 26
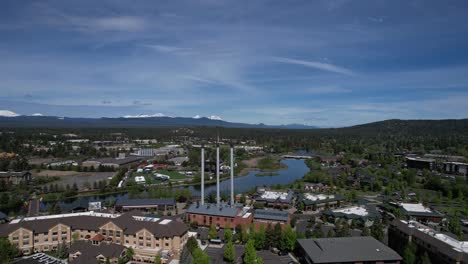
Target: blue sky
column 326, row 63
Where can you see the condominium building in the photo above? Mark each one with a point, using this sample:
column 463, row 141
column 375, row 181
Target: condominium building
column 148, row 236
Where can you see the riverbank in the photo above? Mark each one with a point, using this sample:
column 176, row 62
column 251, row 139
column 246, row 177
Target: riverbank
column 263, row 164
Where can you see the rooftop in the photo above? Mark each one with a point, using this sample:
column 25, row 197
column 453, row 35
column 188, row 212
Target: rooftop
column 351, row 249
column 271, row 214
column 142, row 202
column 461, row 246
column 212, row 209
column 356, row 210
column 410, row 207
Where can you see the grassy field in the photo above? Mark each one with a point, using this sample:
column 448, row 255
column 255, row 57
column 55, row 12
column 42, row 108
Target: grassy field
column 173, row 174
column 270, row 163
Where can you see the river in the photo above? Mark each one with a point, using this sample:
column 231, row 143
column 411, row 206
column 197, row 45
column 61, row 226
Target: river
column 296, row 169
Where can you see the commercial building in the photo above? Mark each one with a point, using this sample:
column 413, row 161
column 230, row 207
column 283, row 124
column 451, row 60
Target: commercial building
column 161, row 205
column 112, row 162
column 219, row 215
column 420, row 163
column 419, row 212
column 366, row 214
column 314, row 202
column 148, row 236
column 271, row 217
column 345, row 250
column 275, row 199
column 456, row 167
column 15, row 178
column 441, row 248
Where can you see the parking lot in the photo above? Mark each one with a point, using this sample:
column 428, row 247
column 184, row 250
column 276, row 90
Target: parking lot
column 216, row 256
column 38, row 258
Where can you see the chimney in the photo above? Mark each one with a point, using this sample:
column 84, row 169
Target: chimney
column 202, row 175
column 232, row 175
column 218, row 198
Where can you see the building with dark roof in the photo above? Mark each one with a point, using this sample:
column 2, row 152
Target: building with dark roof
column 420, row 163
column 274, row 198
column 441, row 248
column 112, row 162
column 162, row 205
column 345, row 250
column 146, row 235
column 316, row 202
column 3, row 218
column 87, row 252
column 419, row 212
column 270, row 217
column 15, row 177
column 221, row 216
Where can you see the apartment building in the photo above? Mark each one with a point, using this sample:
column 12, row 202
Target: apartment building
column 148, row 236
column 441, row 248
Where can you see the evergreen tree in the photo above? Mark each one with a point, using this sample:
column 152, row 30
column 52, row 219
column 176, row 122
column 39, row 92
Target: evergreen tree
column 409, row 254
column 200, row 257
column 192, row 244
column 157, row 259
column 229, row 252
column 425, row 259
column 227, row 234
column 250, row 255
column 260, row 238
column 288, row 239
column 213, row 234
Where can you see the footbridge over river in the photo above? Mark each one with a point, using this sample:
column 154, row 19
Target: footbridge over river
column 296, row 157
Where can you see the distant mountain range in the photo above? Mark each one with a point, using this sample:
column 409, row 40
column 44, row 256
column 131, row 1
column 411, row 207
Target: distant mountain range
column 12, row 121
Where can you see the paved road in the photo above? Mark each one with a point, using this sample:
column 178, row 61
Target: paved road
column 33, row 208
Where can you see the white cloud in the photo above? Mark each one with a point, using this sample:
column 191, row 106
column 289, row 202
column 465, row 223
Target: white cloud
column 120, row 23
column 168, row 49
column 197, row 117
column 327, row 89
column 315, row 64
column 8, row 113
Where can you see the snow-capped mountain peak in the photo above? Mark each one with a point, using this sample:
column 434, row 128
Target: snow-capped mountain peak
column 145, row 115
column 215, row 117
column 8, row 113
column 197, row 117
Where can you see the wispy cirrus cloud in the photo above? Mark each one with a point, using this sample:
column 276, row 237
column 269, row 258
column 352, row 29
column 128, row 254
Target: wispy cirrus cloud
column 327, row 89
column 116, row 23
column 315, row 64
column 167, row 49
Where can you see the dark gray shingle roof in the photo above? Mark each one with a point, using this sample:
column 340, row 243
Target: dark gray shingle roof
column 347, row 249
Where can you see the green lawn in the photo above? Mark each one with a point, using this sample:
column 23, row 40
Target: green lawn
column 173, row 174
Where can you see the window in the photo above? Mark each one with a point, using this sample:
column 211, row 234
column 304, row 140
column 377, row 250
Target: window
column 15, row 238
column 26, row 237
column 140, row 238
column 104, row 232
column 54, row 239
column 141, row 243
column 167, row 244
column 117, row 233
column 148, row 238
column 111, row 232
column 36, row 240
column 54, row 233
column 148, row 244
column 26, row 242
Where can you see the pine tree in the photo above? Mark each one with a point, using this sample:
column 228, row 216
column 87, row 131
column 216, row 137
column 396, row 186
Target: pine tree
column 425, row 259
column 409, row 254
column 250, row 255
column 260, row 238
column 229, row 252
